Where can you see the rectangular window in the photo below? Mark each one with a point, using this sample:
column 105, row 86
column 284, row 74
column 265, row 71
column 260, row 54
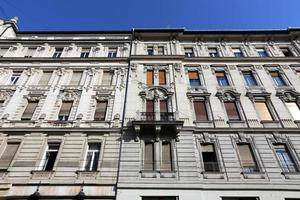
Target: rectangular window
column 262, row 52
column 277, row 78
column 30, row 108
column 293, row 107
column 150, row 50
column 100, row 112
column 194, row 78
column 222, row 78
column 107, row 78
column 85, row 52
column 247, row 158
column 232, row 111
column 92, row 157
column 166, row 158
column 164, row 115
column 263, row 111
column 14, row 78
column 209, row 158
column 213, row 52
column 285, row 159
column 30, row 52
column 189, row 52
column 150, row 115
column 150, row 77
column 160, row 50
column 149, row 156
column 237, row 52
column 50, row 156
column 3, row 50
column 76, row 78
column 8, row 155
column 65, row 110
column 249, row 78
column 162, row 77
column 45, row 78
column 286, row 52
column 112, row 53
column 58, row 52
column 200, row 111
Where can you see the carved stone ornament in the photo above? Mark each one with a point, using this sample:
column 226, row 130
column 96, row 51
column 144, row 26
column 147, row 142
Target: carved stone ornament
column 71, row 47
column 61, row 71
column 155, row 93
column 35, row 96
column 242, row 138
column 42, row 48
column 5, row 95
column 206, row 138
column 288, row 95
column 69, row 95
column 228, row 95
column 278, row 138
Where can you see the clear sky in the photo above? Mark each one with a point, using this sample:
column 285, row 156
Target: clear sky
column 126, row 14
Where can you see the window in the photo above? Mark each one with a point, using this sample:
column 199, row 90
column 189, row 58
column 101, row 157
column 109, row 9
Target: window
column 14, row 78
column 263, row 110
column 92, row 157
column 200, row 111
column 160, row 50
column 1, row 103
column 247, row 158
column 30, row 52
column 58, row 52
column 49, row 158
column 213, row 52
column 3, row 50
column 65, row 110
column 166, row 158
column 293, row 107
column 249, row 78
column 194, row 78
column 100, row 112
column 112, row 53
column 76, row 78
column 45, row 78
column 159, row 198
column 189, row 52
column 163, row 104
column 85, row 53
column 150, row 77
column 240, row 198
column 232, row 111
column 222, row 78
column 8, row 155
column 29, row 110
column 262, row 52
column 277, row 78
column 162, row 77
column 149, row 156
column 237, row 53
column 286, row 52
column 150, row 50
column 107, row 78
column 209, row 157
column 150, row 115
column 286, row 161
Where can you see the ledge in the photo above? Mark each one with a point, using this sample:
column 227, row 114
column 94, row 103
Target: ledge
column 203, row 124
column 39, row 174
column 237, row 124
column 254, row 175
column 291, row 175
column 270, row 123
column 213, row 175
column 87, row 174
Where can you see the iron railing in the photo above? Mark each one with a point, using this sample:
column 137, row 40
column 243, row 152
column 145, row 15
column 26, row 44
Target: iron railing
column 157, row 116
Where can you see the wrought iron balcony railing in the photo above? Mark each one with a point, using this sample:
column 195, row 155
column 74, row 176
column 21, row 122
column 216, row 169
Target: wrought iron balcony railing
column 157, row 116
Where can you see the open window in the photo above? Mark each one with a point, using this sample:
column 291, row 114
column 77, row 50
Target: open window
column 209, row 157
column 29, row 110
column 65, row 110
column 92, row 157
column 50, row 156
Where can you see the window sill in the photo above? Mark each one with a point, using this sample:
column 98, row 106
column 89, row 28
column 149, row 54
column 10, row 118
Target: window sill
column 40, row 174
column 254, row 175
column 297, row 122
column 148, row 174
column 160, row 174
column 213, row 175
column 270, row 123
column 291, row 175
column 81, row 174
column 207, row 124
column 237, row 123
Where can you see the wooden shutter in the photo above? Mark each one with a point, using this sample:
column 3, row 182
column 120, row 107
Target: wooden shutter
column 232, row 111
column 294, row 110
column 220, row 74
column 263, row 111
column 29, row 110
column 200, row 111
column 150, row 106
column 45, row 78
column 100, row 112
column 163, row 106
column 150, row 77
column 8, row 155
column 107, row 78
column 76, row 77
column 246, row 155
column 162, row 77
column 65, row 108
column 149, row 156
column 166, row 160
column 193, row 75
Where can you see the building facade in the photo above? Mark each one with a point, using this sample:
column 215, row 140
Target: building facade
column 147, row 114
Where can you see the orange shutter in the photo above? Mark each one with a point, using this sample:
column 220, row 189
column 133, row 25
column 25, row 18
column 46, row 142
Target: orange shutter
column 263, row 111
column 232, row 111
column 150, row 80
column 220, row 73
column 200, row 111
column 162, row 77
column 193, row 75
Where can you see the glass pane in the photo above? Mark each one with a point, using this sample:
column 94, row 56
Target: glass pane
column 294, row 110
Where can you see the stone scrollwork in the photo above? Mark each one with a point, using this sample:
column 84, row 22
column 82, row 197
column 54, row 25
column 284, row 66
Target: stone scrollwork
column 288, row 95
column 206, row 138
column 156, row 93
column 5, row 95
column 228, row 95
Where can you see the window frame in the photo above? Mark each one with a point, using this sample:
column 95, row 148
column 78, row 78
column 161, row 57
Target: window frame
column 16, row 75
column 189, row 54
column 254, row 153
column 43, row 161
column 291, row 153
column 215, row 54
column 260, row 50
column 85, row 52
column 226, row 75
column 240, row 52
column 57, row 53
column 217, row 155
column 112, row 52
column 83, row 167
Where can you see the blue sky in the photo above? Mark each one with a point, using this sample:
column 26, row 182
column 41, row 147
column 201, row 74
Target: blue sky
column 125, row 14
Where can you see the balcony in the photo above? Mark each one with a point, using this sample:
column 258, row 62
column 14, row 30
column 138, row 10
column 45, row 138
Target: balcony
column 161, row 116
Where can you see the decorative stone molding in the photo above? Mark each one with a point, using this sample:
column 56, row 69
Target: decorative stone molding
column 288, row 95
column 206, row 138
column 278, row 138
column 155, row 93
column 5, row 94
column 228, row 95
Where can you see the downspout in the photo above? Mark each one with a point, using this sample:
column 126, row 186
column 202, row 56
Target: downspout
column 123, row 114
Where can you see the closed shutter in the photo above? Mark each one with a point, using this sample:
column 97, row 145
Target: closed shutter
column 107, row 78
column 166, row 162
column 246, row 155
column 100, row 112
column 294, row 110
column 200, row 111
column 150, row 77
column 162, row 77
column 66, row 108
column 30, row 108
column 8, row 155
column 45, row 78
column 163, row 106
column 149, row 156
column 150, row 106
column 76, row 77
column 193, row 75
column 263, row 111
column 232, row 111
